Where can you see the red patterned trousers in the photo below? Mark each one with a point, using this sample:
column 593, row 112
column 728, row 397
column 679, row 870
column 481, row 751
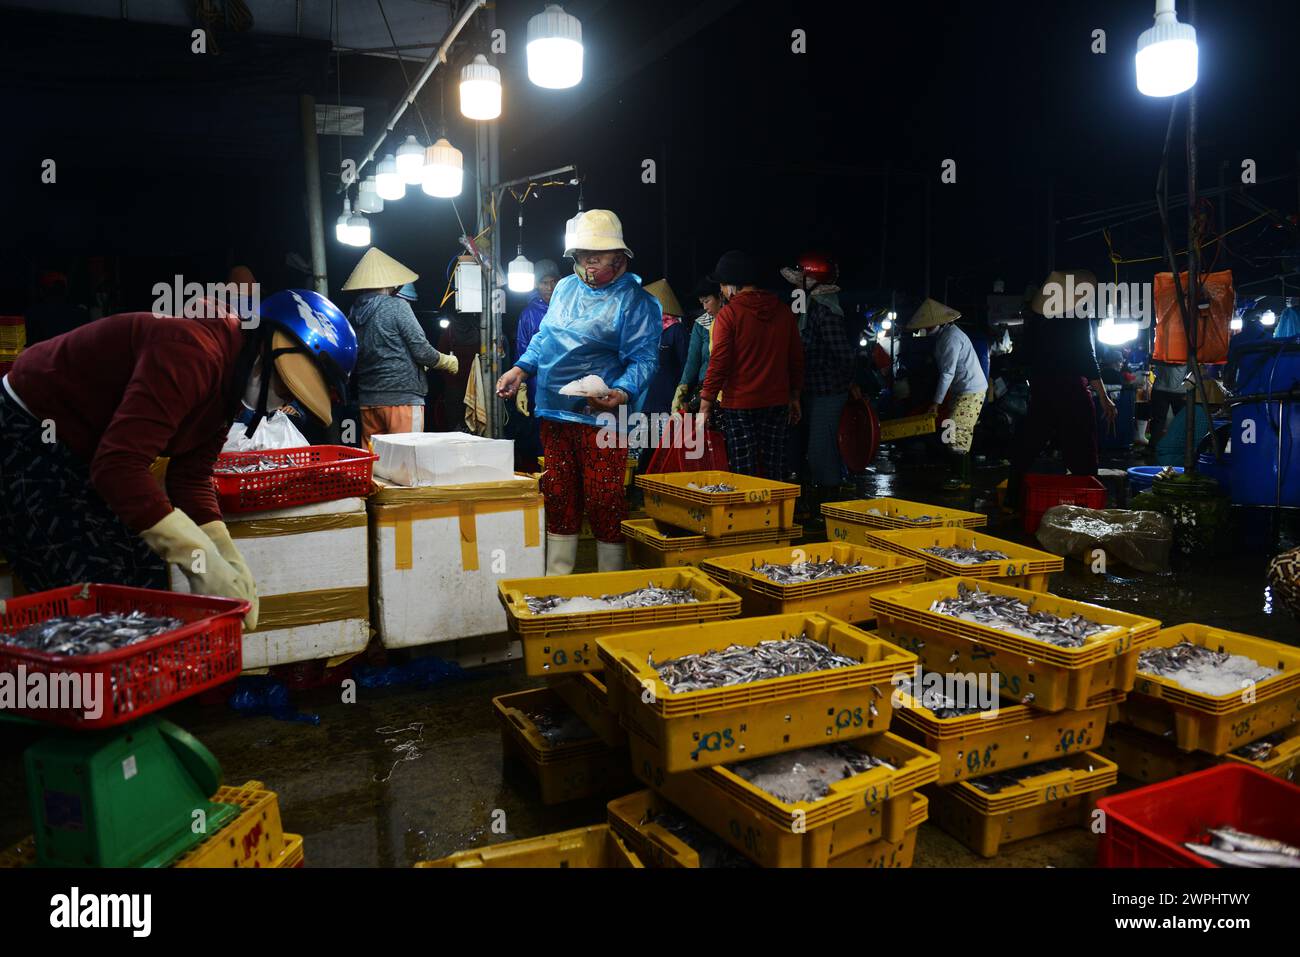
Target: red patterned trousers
column 581, row 476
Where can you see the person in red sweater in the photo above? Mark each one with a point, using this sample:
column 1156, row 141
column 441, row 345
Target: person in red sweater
column 756, row 364
column 84, row 415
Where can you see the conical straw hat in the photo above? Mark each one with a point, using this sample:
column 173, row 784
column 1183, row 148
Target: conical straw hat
column 932, row 313
column 378, row 270
column 664, row 293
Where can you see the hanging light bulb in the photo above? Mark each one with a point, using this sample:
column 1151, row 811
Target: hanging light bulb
column 410, row 161
column 368, row 199
column 862, row 341
column 1267, row 318
column 358, row 230
column 387, row 183
column 1236, row 324
column 444, row 323
column 554, row 49
column 480, row 90
column 887, row 324
column 444, row 170
column 1166, row 54
column 342, row 231
column 519, row 274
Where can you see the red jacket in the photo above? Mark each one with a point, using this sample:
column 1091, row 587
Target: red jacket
column 756, row 359
column 126, row 389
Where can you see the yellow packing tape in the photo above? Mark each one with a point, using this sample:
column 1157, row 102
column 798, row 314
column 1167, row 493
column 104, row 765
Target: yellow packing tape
column 312, row 607
column 384, row 495
column 400, row 517
column 267, row 527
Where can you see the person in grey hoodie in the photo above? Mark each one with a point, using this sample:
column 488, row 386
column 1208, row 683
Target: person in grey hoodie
column 392, row 350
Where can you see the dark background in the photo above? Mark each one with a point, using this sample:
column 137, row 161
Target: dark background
column 170, row 162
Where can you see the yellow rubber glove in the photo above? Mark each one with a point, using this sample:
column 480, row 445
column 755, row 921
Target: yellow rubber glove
column 679, row 398
column 220, row 536
column 521, row 401
column 176, row 539
column 447, row 362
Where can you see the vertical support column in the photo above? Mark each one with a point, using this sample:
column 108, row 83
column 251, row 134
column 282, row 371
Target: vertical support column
column 311, row 171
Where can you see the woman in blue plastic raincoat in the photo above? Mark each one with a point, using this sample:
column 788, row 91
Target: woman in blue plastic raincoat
column 600, row 323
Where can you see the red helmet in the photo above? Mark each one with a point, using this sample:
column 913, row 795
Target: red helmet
column 819, row 267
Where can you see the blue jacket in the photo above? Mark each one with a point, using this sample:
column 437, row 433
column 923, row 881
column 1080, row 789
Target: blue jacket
column 612, row 332
column 530, row 320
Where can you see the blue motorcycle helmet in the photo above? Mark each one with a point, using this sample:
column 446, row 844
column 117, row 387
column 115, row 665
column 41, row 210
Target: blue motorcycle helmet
column 313, row 347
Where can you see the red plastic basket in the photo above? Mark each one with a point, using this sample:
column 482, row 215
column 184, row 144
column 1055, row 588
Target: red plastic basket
column 1148, row 827
column 206, row 651
column 1044, row 491
column 320, row 473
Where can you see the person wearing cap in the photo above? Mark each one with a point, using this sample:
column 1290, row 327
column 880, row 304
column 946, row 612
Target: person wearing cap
column 392, row 350
column 961, row 381
column 757, row 363
column 83, row 417
column 687, row 398
column 1062, row 366
column 674, row 343
column 600, row 322
column 828, row 376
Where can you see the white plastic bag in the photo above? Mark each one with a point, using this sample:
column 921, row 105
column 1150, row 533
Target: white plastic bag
column 276, row 431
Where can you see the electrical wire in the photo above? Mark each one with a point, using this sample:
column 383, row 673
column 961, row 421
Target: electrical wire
column 402, row 67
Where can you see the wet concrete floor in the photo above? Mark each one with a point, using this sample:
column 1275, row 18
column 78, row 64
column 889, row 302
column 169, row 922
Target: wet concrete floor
column 405, row 775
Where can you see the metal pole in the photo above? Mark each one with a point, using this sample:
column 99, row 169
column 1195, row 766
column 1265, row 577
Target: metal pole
column 487, row 265
column 438, row 56
column 1193, row 284
column 311, row 170
column 496, row 409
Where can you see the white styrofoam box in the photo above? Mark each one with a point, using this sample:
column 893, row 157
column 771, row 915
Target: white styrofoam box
column 303, row 562
column 421, row 459
column 436, row 599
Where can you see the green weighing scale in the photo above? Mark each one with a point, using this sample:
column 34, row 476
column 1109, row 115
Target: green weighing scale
column 137, row 795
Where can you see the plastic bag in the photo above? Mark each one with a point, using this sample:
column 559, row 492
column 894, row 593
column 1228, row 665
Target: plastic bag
column 674, row 455
column 1141, row 540
column 274, row 432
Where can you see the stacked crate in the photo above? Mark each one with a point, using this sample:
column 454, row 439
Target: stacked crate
column 1059, row 699
column 13, row 339
column 1165, row 730
column 683, row 746
column 561, row 647
column 855, row 521
column 687, row 524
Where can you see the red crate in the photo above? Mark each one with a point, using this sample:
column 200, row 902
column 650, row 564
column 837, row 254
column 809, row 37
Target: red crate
column 1148, row 827
column 320, row 473
column 1043, row 491
column 205, row 652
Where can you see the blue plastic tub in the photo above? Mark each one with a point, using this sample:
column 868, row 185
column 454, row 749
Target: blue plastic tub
column 1142, row 477
column 1267, row 468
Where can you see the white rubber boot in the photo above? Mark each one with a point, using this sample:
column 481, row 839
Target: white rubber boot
column 611, row 556
column 1140, row 438
column 561, row 554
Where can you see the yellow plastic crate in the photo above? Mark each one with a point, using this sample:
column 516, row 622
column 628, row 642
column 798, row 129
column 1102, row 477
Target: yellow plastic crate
column 253, row 839
column 973, row 745
column 846, row 521
column 889, row 853
column 586, row 695
column 1148, row 757
column 1057, row 678
column 845, row 596
column 1217, row 723
column 696, row 729
column 1047, row 802
column 867, row 807
column 1283, row 762
column 13, row 339
column 595, row 846
column 292, row 855
column 559, row 643
column 630, row 818
column 652, row 544
column 891, row 430
column 756, row 504
column 564, row 772
column 1023, row 567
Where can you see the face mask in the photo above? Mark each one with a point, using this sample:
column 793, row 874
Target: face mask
column 597, row 275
